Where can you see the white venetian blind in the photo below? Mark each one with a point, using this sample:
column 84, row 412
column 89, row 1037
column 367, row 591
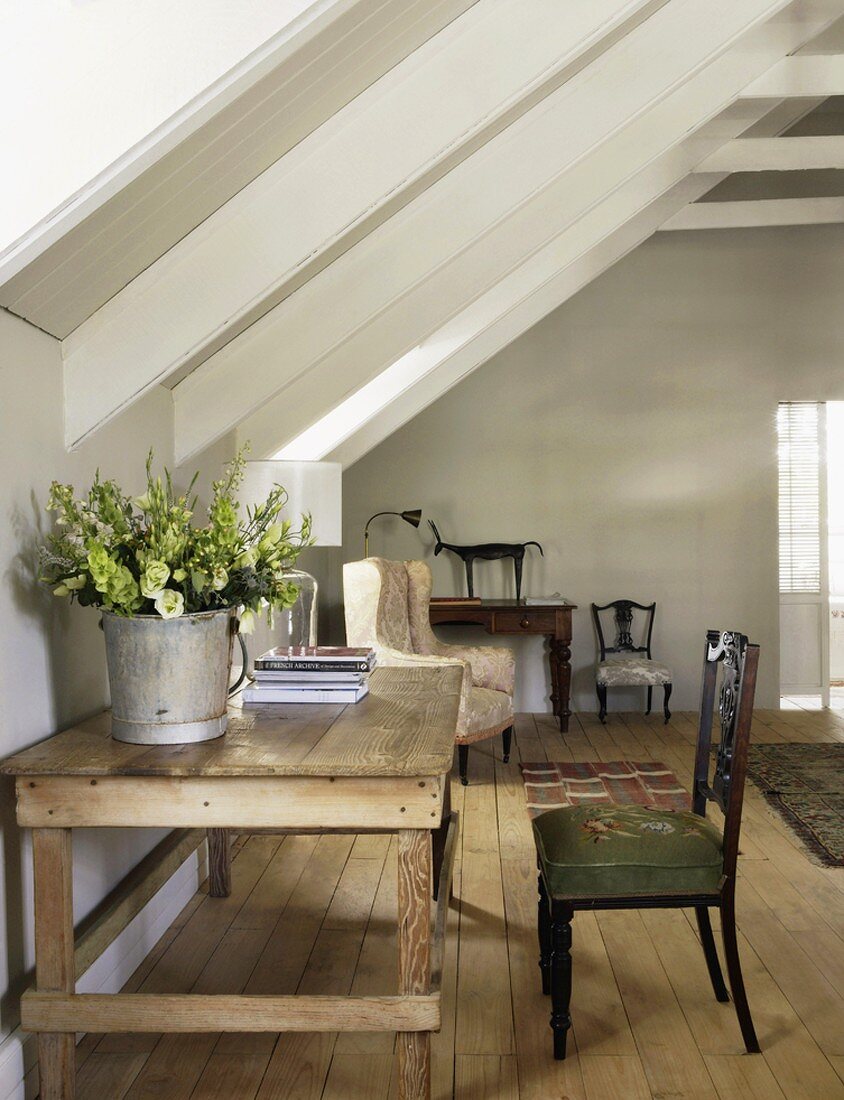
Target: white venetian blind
column 799, row 433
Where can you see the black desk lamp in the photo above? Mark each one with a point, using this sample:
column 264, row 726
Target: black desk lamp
column 412, row 517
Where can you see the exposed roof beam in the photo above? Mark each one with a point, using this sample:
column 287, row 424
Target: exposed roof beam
column 347, row 325
column 752, row 215
column 409, row 128
column 315, row 63
column 785, row 154
column 523, row 300
column 804, row 75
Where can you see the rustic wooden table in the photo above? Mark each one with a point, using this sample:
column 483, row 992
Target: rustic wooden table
column 378, row 766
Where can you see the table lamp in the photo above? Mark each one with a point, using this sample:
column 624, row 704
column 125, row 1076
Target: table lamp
column 412, row 517
column 314, row 487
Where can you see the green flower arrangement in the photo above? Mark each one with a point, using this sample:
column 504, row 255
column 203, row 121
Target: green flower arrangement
column 142, row 556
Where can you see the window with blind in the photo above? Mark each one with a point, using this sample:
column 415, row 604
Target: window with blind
column 799, row 447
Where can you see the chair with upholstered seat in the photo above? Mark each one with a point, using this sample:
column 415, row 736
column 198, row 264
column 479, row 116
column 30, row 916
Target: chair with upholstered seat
column 602, row 856
column 628, row 664
column 386, row 606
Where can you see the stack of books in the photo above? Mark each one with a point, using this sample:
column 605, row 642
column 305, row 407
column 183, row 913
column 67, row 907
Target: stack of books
column 310, row 674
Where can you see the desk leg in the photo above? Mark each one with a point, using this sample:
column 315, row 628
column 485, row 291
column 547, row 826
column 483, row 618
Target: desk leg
column 52, row 859
column 414, row 895
column 219, row 863
column 561, row 680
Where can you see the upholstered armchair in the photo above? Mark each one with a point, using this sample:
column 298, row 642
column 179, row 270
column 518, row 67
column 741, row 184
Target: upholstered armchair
column 387, row 608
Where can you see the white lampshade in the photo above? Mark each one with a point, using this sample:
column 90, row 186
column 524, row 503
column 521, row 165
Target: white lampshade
column 314, row 487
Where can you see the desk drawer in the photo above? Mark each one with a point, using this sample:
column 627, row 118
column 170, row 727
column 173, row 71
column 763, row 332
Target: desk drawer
column 525, row 621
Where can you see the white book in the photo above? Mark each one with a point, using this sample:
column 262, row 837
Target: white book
column 259, row 694
column 324, row 679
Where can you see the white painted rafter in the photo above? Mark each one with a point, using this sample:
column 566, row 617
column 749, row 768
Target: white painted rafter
column 819, row 75
column 269, row 359
column 757, row 214
column 787, row 154
column 334, row 187
column 142, row 203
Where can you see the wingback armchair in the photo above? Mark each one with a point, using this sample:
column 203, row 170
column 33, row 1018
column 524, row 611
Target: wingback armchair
column 387, row 608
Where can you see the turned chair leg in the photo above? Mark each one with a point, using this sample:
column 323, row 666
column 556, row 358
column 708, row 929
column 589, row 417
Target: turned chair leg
column 561, row 916
column 463, row 763
column 544, row 926
column 728, row 931
column 665, row 709
column 507, row 737
column 650, row 700
column 601, row 689
column 710, row 954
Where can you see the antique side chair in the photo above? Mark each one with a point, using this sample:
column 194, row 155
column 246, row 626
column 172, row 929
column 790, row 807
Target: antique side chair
column 640, row 857
column 629, row 665
column 386, row 605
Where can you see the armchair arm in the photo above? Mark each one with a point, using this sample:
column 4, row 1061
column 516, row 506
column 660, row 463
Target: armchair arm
column 394, row 657
column 492, row 666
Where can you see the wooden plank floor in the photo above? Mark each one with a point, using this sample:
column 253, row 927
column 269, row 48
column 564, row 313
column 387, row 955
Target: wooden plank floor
column 316, row 915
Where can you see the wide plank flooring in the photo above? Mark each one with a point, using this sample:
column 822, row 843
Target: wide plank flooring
column 317, row 915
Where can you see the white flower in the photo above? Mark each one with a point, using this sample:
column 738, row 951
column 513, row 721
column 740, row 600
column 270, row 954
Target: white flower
column 154, row 577
column 169, row 604
column 247, row 621
column 219, row 578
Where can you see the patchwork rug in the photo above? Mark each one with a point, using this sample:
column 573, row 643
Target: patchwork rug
column 646, row 783
column 805, row 785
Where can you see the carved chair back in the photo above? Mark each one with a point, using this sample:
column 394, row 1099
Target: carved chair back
column 737, row 660
column 623, row 626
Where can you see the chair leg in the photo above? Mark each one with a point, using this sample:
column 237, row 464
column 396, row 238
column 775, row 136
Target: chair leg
column 710, row 954
column 463, row 763
column 650, row 700
column 728, row 931
column 561, row 916
column 506, row 738
column 544, row 926
column 665, row 709
column 601, row 689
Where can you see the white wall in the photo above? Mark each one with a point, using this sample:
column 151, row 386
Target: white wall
column 632, row 433
column 52, row 661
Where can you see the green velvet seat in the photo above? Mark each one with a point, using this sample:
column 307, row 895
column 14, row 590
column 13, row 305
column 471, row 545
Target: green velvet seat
column 605, row 851
column 613, row 856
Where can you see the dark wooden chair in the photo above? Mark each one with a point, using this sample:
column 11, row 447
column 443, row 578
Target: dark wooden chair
column 640, row 857
column 630, row 665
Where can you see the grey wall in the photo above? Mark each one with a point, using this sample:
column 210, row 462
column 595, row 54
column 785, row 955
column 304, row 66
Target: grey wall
column 632, row 432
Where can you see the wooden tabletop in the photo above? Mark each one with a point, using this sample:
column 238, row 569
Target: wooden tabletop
column 405, row 726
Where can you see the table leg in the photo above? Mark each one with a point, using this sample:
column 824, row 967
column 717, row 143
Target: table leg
column 219, row 863
column 440, row 836
column 52, row 858
column 414, row 897
column 561, row 680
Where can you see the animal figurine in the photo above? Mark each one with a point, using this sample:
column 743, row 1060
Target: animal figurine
column 487, row 551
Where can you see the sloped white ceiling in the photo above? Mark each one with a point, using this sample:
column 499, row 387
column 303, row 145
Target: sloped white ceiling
column 405, row 186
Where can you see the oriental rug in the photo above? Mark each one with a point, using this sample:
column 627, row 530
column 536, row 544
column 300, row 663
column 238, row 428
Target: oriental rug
column 805, row 785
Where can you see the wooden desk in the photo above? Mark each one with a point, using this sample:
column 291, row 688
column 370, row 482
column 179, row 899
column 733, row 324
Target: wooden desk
column 379, row 766
column 516, row 617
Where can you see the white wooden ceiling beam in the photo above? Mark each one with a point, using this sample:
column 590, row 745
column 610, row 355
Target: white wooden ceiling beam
column 522, row 300
column 147, row 200
column 786, row 154
column 818, row 75
column 338, row 184
column 757, row 214
column 320, row 346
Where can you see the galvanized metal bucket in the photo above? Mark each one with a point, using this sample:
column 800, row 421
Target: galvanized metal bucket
column 169, row 678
